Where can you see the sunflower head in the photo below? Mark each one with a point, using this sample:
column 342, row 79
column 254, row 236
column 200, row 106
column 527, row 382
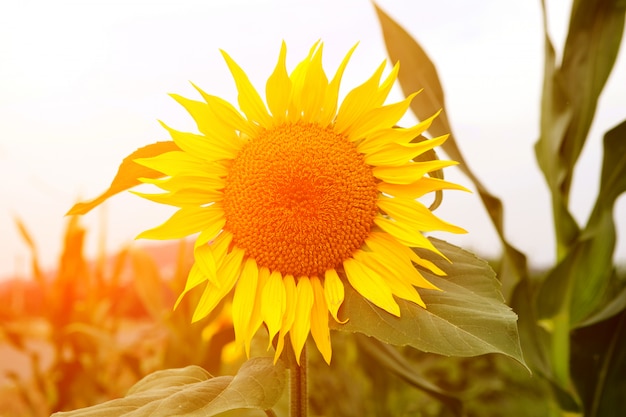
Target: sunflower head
column 296, row 196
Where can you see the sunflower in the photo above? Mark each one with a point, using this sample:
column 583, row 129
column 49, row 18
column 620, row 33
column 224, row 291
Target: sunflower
column 295, row 197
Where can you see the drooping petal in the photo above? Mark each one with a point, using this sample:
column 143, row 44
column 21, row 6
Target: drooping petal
column 302, row 323
column 274, row 303
column 334, row 293
column 249, row 99
column 319, row 320
column 370, row 285
column 291, row 295
column 212, row 295
column 255, row 317
column 205, row 260
column 187, row 221
column 194, row 279
column 243, row 302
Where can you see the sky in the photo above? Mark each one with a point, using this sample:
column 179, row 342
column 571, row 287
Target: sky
column 83, row 83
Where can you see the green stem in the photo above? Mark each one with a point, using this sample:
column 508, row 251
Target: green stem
column 298, row 377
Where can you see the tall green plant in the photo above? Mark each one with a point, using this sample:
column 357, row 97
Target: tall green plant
column 581, row 294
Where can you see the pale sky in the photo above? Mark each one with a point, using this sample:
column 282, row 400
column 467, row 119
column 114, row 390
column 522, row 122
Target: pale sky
column 83, row 83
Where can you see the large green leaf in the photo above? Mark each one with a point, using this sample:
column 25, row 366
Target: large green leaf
column 193, row 392
column 467, row 318
column 417, row 72
column 127, row 175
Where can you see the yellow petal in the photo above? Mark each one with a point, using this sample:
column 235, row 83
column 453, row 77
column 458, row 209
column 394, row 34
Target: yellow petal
column 415, row 215
column 205, row 260
column 225, row 114
column 419, row 188
column 243, row 302
column 212, row 295
column 255, row 318
column 184, row 197
column 302, row 323
column 314, row 89
column 274, row 303
column 372, row 120
column 329, row 108
column 385, row 87
column 187, row 221
column 319, row 320
column 334, row 293
column 290, row 313
column 177, row 163
column 399, row 257
column 370, row 285
column 405, row 234
column 215, row 129
column 201, row 146
column 194, row 279
column 400, row 154
column 398, row 135
column 409, row 173
column 183, row 182
column 385, row 267
column 278, row 88
column 358, row 101
column 249, row 100
column 298, row 76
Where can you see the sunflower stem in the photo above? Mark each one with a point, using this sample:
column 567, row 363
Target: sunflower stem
column 299, row 398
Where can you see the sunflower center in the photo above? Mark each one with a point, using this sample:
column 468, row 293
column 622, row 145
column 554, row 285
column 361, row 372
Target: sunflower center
column 299, row 199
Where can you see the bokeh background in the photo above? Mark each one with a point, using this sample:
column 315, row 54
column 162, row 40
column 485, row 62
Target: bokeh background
column 82, row 84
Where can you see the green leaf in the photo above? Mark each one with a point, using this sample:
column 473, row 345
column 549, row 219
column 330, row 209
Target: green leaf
column 193, row 392
column 128, row 175
column 467, row 318
column 418, row 72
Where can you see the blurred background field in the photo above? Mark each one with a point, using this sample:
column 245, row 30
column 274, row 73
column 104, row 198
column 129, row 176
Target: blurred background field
column 85, row 332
